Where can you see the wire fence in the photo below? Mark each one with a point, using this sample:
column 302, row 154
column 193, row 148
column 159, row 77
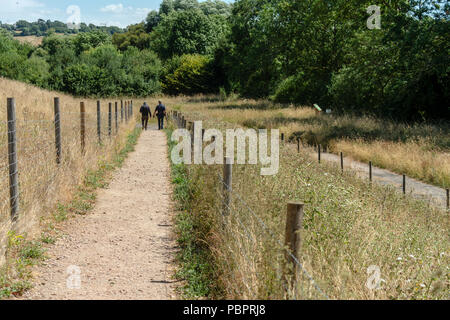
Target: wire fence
column 43, row 156
column 259, row 245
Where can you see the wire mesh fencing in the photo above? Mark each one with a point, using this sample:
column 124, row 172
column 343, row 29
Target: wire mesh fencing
column 257, row 259
column 44, row 155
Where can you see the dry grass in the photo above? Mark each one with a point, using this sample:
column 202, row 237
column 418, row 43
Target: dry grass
column 42, row 184
column 348, row 226
column 419, row 150
column 33, row 40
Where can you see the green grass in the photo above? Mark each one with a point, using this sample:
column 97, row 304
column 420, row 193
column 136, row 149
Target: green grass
column 195, row 258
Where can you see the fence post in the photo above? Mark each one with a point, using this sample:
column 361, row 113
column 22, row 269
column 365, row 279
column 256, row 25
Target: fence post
column 370, row 171
column 126, row 112
column 294, row 220
column 190, row 127
column 131, row 103
column 282, row 137
column 318, row 151
column 12, row 159
column 121, row 111
column 342, row 162
column 404, row 184
column 227, row 185
column 109, row 119
column 116, row 117
column 82, row 126
column 99, row 123
column 448, row 199
column 57, row 130
column 298, row 145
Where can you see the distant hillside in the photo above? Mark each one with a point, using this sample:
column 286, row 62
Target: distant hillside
column 42, row 28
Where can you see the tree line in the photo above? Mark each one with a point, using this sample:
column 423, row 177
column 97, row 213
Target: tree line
column 292, row 52
column 42, row 27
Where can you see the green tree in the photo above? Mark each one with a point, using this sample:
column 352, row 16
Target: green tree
column 136, row 36
column 189, row 74
column 186, row 32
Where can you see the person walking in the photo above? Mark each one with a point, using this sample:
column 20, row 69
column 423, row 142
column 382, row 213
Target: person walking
column 160, row 112
column 146, row 113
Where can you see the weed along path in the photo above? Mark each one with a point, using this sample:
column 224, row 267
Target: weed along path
column 123, row 249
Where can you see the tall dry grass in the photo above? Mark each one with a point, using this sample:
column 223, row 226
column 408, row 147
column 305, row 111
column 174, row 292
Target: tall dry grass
column 42, row 184
column 348, row 226
column 421, row 151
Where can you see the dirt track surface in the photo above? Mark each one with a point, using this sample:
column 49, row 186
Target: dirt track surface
column 124, row 247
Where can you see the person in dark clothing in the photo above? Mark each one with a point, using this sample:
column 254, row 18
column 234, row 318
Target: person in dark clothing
column 160, row 112
column 146, row 113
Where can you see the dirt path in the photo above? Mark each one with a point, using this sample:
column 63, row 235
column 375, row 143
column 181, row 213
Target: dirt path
column 123, row 248
column 420, row 190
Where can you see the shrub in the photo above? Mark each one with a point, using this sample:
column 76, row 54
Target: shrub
column 192, row 75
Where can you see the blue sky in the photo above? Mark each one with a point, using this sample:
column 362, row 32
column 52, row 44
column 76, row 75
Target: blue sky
column 100, row 12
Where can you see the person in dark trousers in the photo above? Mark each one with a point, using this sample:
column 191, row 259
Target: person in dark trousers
column 160, row 112
column 146, row 113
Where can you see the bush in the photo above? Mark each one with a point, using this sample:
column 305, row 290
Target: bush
column 189, row 74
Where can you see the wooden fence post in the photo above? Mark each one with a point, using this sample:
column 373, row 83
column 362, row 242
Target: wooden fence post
column 121, row 111
column 448, row 199
column 370, row 171
column 57, row 130
column 294, row 220
column 318, row 151
column 99, row 123
column 116, row 117
column 282, row 137
column 82, row 126
column 404, row 184
column 126, row 112
column 227, row 185
column 12, row 159
column 298, row 145
column 190, row 127
column 109, row 119
column 342, row 162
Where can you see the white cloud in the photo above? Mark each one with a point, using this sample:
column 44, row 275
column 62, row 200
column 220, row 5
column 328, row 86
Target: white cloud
column 121, row 9
column 114, row 8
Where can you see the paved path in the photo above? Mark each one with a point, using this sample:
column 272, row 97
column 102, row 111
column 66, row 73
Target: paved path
column 124, row 247
column 435, row 195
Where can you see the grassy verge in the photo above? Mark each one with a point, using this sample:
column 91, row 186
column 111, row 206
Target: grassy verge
column 349, row 226
column 192, row 229
column 23, row 253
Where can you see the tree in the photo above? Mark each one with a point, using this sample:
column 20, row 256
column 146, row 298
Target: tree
column 189, row 74
column 136, row 36
column 186, row 32
column 88, row 40
column 152, row 21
